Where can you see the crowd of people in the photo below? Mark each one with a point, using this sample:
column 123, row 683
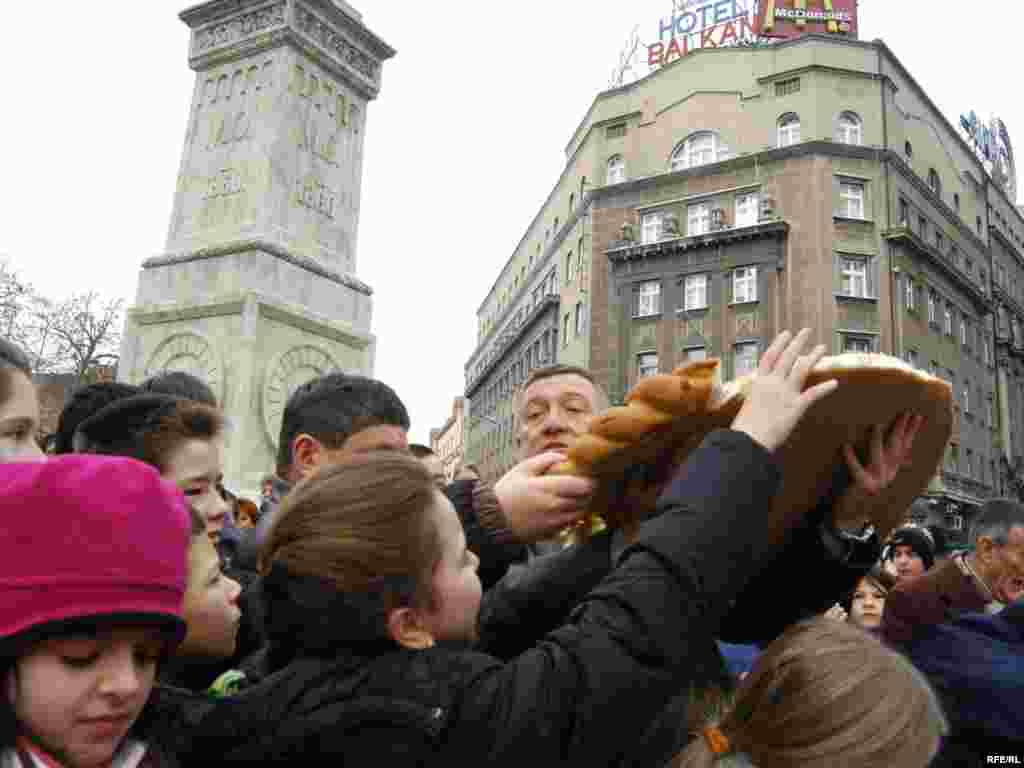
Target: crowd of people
column 366, row 609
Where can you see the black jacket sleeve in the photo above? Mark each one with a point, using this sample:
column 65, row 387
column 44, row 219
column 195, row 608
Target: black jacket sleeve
column 803, row 581
column 487, row 534
column 537, row 597
column 588, row 690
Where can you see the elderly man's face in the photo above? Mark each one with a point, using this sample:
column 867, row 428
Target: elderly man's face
column 555, row 412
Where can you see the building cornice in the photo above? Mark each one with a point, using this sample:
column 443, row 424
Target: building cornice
column 259, row 244
column 907, row 236
column 1001, row 237
column 551, row 301
column 636, row 251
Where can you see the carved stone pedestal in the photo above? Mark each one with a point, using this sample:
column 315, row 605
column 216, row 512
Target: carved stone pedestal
column 257, row 291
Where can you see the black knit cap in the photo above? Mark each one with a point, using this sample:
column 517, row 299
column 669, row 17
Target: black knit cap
column 918, row 539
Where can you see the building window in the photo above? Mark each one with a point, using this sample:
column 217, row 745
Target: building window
column 745, row 359
column 696, row 294
column 744, row 285
column 967, row 399
column 932, row 308
column 991, row 412
column 746, row 210
column 977, row 223
column 698, row 219
column 851, row 200
column 572, row 202
column 922, row 227
column 908, row 151
column 647, row 299
column 646, row 365
column 940, row 241
column 908, row 292
column 787, row 87
column 695, row 354
column 963, row 331
column 848, row 129
column 650, row 228
column 911, row 357
column 948, row 320
column 904, row 213
column 956, row 201
column 615, row 131
column 789, row 129
column 699, row 149
column 570, row 268
column 852, row 343
column 988, row 351
column 565, row 330
column 934, row 182
column 579, row 319
column 616, row 169
column 853, row 277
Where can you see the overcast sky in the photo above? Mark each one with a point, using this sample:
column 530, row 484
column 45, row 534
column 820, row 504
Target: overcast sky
column 463, row 144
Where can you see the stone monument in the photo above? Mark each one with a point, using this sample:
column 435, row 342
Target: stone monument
column 257, row 292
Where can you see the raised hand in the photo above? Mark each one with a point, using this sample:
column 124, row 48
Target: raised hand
column 776, row 400
column 538, row 506
column 887, row 458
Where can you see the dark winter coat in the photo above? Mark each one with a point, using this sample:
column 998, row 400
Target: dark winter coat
column 974, row 661
column 586, row 693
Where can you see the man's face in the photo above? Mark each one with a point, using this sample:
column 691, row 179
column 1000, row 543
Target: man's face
column 556, row 411
column 908, row 564
column 1007, row 569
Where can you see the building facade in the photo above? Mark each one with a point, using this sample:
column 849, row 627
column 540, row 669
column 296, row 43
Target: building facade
column 739, row 192
column 448, row 441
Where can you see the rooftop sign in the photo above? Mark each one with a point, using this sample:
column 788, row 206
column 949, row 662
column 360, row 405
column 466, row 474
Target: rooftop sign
column 698, row 24
column 792, row 18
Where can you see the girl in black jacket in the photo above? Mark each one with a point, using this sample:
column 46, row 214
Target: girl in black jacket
column 372, row 603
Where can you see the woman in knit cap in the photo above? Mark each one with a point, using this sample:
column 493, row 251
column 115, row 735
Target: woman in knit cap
column 92, row 576
column 19, row 406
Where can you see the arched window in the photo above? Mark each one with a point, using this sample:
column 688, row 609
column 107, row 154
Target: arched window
column 616, row 169
column 699, row 149
column 934, row 182
column 789, row 129
column 848, row 129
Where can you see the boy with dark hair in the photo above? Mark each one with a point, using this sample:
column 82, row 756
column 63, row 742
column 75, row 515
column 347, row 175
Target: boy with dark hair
column 180, row 384
column 85, row 402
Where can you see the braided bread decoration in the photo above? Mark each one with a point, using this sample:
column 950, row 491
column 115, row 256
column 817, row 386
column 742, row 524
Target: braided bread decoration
column 633, row 450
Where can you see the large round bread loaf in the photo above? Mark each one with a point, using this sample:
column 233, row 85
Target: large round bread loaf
column 634, row 449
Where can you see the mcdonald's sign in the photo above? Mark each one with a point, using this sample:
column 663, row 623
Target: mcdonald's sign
column 792, row 18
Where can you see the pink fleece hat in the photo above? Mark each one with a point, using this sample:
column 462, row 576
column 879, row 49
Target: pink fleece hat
column 90, row 537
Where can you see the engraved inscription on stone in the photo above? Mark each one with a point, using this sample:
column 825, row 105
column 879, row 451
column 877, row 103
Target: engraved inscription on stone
column 315, row 196
column 330, row 39
column 326, row 112
column 291, row 371
column 234, row 30
column 226, row 104
column 223, row 184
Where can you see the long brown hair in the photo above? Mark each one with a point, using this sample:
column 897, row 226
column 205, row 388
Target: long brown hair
column 825, row 693
column 365, row 525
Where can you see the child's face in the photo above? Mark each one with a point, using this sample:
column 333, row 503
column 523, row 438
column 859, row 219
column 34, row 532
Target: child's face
column 197, row 468
column 19, row 419
column 456, row 586
column 211, row 605
column 77, row 697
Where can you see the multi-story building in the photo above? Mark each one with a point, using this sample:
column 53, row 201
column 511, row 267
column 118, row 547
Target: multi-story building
column 448, row 441
column 742, row 191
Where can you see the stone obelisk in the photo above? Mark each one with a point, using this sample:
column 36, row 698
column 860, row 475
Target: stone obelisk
column 257, row 291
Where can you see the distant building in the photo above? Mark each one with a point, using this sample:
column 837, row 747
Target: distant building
column 55, row 389
column 448, row 441
column 738, row 192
